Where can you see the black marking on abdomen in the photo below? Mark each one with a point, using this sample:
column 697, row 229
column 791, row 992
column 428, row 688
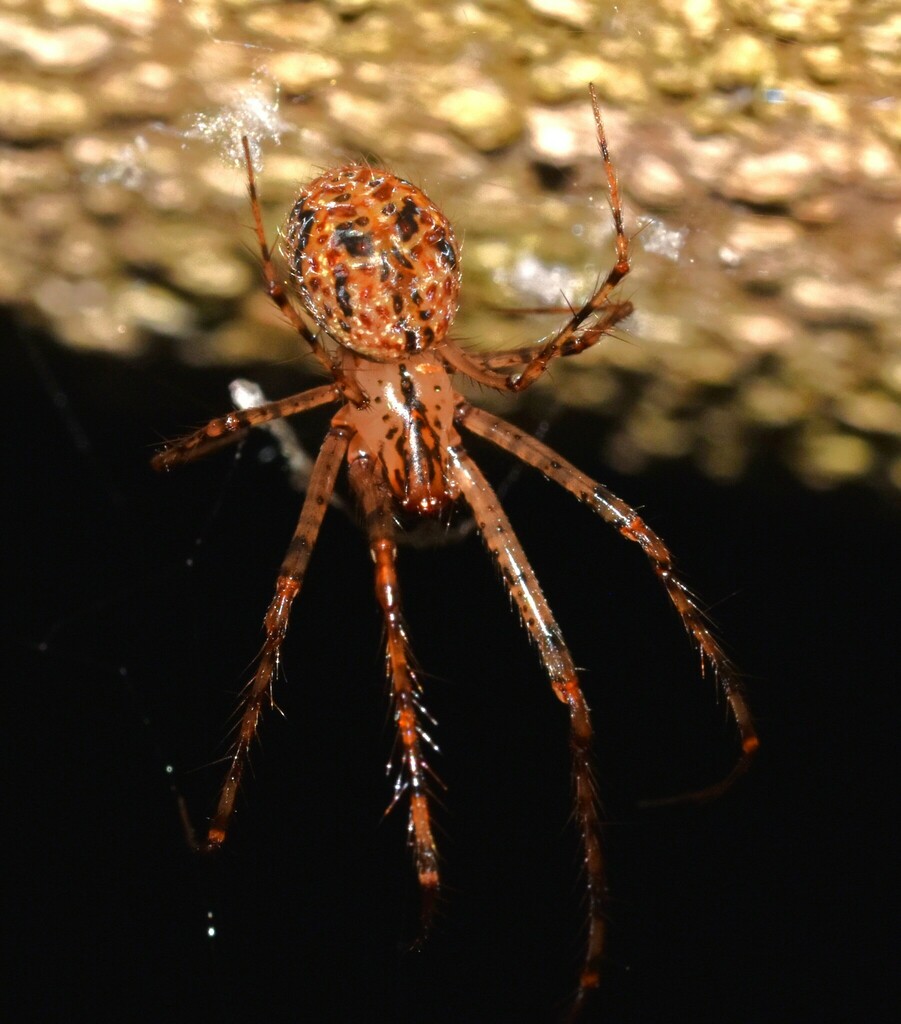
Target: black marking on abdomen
column 401, row 259
column 341, row 292
column 352, row 241
column 302, row 219
column 406, row 219
column 446, row 251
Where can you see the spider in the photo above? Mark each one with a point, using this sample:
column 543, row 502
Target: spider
column 375, row 267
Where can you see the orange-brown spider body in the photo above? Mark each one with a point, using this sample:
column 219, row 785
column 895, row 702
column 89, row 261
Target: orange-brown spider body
column 376, row 269
column 407, row 427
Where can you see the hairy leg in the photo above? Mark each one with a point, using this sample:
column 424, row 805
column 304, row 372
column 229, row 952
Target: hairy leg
column 228, row 429
column 378, row 512
column 632, row 526
column 574, row 336
column 349, row 388
column 478, row 363
column 290, row 579
column 525, row 591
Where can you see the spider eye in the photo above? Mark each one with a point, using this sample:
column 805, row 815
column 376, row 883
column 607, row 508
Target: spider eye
column 374, row 261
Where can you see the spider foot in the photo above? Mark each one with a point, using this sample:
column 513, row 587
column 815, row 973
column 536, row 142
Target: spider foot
column 589, row 982
column 429, row 905
column 214, row 841
column 707, row 794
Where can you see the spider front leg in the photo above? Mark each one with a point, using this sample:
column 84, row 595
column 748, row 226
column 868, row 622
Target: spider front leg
column 349, row 388
column 378, row 512
column 578, row 333
column 290, row 579
column 225, row 430
column 632, row 527
column 536, row 615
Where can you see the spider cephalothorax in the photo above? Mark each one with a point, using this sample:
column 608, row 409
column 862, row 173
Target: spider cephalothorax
column 376, row 268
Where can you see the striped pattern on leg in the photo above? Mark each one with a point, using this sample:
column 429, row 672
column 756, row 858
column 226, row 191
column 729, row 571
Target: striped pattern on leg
column 233, row 427
column 627, row 521
column 523, row 587
column 290, row 579
column 378, row 510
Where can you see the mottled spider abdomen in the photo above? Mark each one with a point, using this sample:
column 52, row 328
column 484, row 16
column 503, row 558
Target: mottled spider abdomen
column 374, row 260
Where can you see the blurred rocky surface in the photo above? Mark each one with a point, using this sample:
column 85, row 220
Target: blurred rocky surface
column 757, row 145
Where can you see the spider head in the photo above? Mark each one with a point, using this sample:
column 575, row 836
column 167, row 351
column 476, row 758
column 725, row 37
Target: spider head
column 375, row 262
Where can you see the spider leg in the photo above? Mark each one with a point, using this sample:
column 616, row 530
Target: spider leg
column 480, row 362
column 378, row 512
column 228, row 429
column 632, row 527
column 525, row 590
column 571, row 338
column 279, row 296
column 290, row 579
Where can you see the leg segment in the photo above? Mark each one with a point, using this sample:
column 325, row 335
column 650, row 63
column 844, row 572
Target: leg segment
column 226, row 430
column 378, row 511
column 571, row 338
column 279, row 296
column 525, row 590
column 631, row 526
column 488, row 361
column 290, row 579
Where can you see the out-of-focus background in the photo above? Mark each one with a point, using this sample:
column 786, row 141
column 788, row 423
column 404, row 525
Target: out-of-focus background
column 750, row 408
column 757, row 145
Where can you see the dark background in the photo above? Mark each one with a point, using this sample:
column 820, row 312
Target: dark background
column 121, row 659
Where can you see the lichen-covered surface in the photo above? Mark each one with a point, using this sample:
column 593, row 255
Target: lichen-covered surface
column 756, row 142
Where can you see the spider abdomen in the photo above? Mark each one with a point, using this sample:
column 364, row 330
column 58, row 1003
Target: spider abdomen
column 374, row 260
